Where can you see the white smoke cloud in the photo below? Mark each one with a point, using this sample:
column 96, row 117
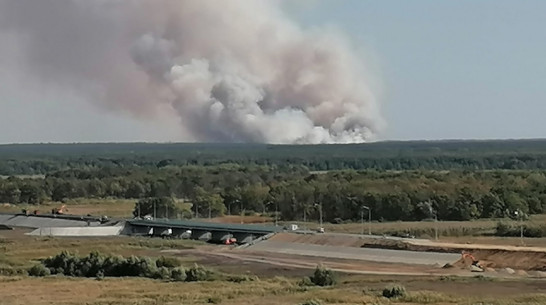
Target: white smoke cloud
column 233, row 71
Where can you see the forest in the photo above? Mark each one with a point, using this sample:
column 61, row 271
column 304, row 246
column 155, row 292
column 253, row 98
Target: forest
column 397, row 181
column 41, row 159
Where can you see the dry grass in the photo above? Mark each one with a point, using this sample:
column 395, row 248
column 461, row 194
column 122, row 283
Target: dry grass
column 422, row 228
column 110, row 207
column 122, row 208
column 63, row 290
column 18, row 250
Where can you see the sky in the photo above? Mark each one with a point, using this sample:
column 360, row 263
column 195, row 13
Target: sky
column 441, row 70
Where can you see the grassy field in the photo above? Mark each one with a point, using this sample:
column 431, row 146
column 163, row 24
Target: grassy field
column 122, row 208
column 62, row 290
column 18, row 251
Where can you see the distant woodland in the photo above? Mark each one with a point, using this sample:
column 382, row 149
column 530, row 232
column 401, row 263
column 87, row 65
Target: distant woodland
column 455, row 180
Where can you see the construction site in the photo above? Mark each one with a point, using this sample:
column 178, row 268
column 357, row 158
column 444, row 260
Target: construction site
column 294, row 248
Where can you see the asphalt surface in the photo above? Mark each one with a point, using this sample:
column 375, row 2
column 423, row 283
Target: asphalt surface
column 11, row 220
column 367, row 254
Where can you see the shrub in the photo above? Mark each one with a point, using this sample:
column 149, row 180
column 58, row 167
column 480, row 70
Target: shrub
column 311, row 302
column 162, row 273
column 214, row 300
column 239, row 278
column 178, row 274
column 396, row 291
column 169, row 262
column 198, row 273
column 10, row 271
column 100, row 276
column 306, row 281
column 39, row 270
column 99, row 266
column 323, row 277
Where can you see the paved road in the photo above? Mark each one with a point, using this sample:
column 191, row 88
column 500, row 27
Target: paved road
column 377, row 255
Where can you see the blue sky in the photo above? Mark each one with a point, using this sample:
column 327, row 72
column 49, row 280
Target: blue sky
column 450, row 69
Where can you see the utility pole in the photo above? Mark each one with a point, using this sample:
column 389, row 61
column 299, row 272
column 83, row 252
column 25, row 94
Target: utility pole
column 210, row 210
column 138, row 209
column 154, row 211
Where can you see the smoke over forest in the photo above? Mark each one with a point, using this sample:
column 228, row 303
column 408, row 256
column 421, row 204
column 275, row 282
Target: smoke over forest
column 232, row 71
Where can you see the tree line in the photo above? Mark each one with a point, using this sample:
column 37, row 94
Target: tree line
column 295, row 193
column 42, row 159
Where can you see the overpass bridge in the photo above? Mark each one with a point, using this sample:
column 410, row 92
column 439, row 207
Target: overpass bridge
column 76, row 225
column 206, row 231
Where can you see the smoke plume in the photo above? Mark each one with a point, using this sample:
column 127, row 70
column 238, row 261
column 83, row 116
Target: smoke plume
column 232, row 71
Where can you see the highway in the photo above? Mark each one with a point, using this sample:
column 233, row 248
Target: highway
column 367, row 254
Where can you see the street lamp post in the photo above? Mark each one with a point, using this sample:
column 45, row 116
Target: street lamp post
column 369, row 219
column 242, row 213
column 196, row 210
column 276, row 210
column 436, row 225
column 276, row 213
column 435, row 213
column 319, row 205
column 519, row 214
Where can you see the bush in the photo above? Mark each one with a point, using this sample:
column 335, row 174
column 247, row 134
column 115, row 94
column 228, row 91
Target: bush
column 162, row 273
column 10, row 271
column 214, row 300
column 396, row 291
column 311, row 302
column 514, row 230
column 98, row 266
column 199, row 273
column 39, row 270
column 323, row 277
column 178, row 274
column 306, row 281
column 239, row 278
column 169, row 262
column 100, row 276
